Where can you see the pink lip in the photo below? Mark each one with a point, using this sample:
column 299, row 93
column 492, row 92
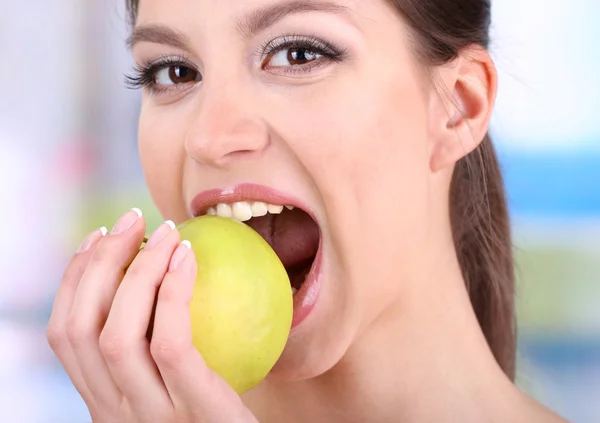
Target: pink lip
column 243, row 192
column 306, row 298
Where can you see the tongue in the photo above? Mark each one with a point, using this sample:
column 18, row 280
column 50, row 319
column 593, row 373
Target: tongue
column 292, row 234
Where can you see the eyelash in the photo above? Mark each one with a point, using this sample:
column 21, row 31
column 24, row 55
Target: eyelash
column 301, row 42
column 144, row 75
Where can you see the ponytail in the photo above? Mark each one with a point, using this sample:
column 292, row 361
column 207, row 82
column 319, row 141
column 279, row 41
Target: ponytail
column 482, row 238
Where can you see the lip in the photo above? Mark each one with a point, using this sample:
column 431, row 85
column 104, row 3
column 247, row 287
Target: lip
column 306, row 298
column 243, row 192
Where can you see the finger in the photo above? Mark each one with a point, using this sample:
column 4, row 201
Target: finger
column 56, row 332
column 195, row 389
column 93, row 301
column 123, row 341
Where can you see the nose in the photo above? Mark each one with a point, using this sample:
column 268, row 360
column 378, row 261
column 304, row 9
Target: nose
column 224, row 130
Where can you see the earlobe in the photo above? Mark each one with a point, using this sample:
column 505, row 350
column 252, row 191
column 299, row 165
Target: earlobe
column 472, row 80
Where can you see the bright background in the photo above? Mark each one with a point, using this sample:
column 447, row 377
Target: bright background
column 68, row 162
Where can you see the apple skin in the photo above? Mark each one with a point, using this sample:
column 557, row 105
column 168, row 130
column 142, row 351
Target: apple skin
column 242, row 304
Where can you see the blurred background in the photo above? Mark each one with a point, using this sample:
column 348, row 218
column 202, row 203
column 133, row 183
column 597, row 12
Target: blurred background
column 68, row 161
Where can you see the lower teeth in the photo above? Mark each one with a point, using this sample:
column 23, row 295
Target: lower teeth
column 294, row 290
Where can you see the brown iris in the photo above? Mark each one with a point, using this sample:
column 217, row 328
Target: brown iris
column 182, row 74
column 299, row 56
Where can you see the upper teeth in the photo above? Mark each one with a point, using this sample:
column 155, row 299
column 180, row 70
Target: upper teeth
column 244, row 210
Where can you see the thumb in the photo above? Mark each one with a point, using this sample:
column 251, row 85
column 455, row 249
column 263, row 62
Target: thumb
column 195, row 389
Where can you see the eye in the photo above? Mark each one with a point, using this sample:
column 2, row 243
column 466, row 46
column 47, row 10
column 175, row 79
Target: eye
column 297, row 54
column 175, row 75
column 165, row 74
column 293, row 56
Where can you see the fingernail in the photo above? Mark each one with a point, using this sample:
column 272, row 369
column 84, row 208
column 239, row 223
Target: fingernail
column 160, row 233
column 92, row 239
column 126, row 221
column 179, row 255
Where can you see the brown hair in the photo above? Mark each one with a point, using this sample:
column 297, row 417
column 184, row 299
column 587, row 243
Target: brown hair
column 479, row 215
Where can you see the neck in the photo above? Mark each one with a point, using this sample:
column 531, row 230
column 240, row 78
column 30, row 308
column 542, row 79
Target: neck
column 435, row 367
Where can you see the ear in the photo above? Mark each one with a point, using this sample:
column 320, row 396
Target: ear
column 458, row 122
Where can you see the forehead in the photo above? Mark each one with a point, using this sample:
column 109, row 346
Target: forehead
column 222, row 11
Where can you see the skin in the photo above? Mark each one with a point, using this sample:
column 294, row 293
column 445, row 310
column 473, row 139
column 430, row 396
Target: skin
column 393, row 336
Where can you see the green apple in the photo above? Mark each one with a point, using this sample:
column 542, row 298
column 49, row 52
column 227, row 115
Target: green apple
column 242, row 304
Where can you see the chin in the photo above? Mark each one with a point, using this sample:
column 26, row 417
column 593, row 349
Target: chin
column 317, row 345
column 297, row 364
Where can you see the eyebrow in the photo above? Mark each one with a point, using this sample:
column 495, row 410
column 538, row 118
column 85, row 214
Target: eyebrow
column 248, row 25
column 158, row 34
column 262, row 18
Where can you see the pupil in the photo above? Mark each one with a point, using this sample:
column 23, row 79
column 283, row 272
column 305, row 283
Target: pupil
column 300, row 55
column 179, row 74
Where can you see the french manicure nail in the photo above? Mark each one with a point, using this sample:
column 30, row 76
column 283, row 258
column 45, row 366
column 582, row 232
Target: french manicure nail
column 179, row 255
column 160, row 233
column 91, row 239
column 126, row 221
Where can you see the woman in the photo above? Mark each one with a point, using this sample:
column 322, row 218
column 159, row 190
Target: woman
column 370, row 119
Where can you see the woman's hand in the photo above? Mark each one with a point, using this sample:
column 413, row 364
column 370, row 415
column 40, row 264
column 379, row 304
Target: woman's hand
column 99, row 323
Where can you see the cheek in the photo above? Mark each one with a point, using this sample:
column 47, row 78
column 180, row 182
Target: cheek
column 366, row 150
column 161, row 153
column 383, row 203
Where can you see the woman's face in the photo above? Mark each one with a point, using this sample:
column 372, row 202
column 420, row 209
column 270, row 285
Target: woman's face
column 321, row 102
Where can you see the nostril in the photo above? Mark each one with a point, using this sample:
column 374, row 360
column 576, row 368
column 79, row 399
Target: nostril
column 242, row 155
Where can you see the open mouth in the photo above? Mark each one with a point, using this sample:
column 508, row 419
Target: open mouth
column 290, row 231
